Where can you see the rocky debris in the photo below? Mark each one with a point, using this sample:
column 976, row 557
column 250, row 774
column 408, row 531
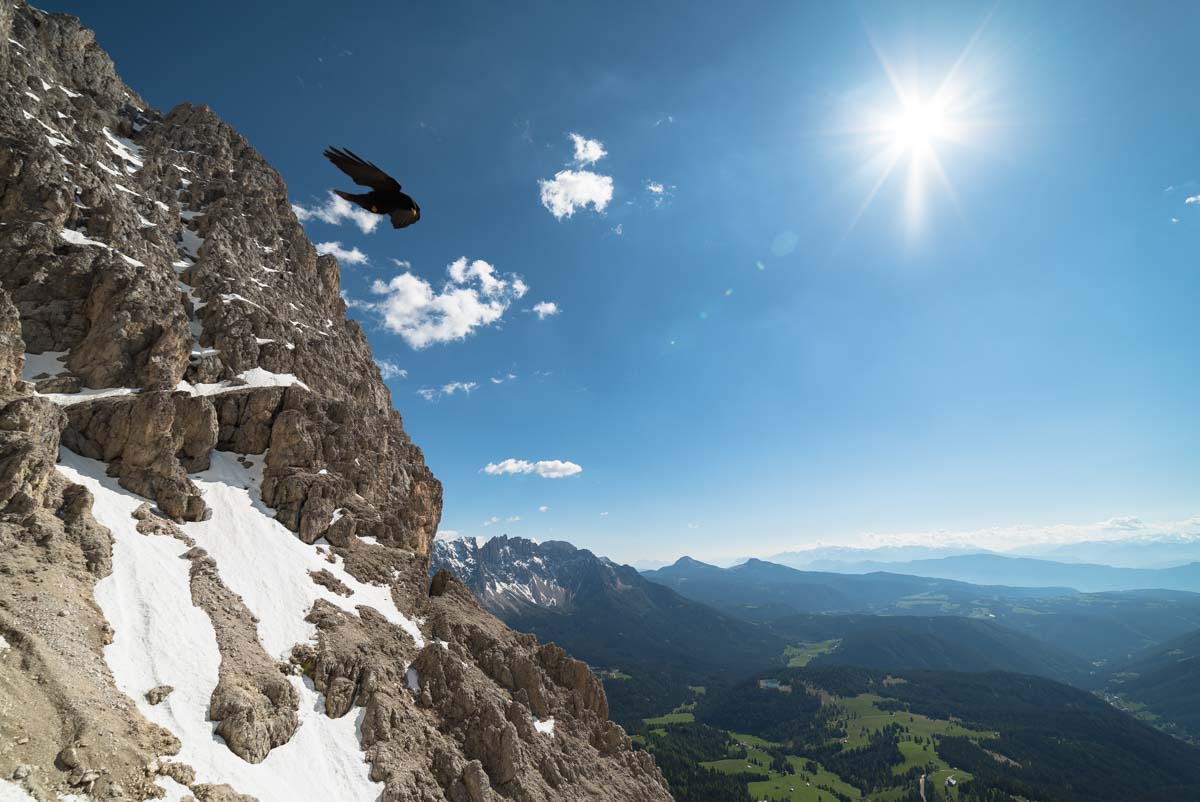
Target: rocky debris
column 328, row 580
column 153, row 262
column 12, row 347
column 254, row 705
column 159, row 692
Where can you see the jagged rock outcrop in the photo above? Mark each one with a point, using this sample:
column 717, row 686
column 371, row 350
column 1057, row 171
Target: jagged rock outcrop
column 160, row 310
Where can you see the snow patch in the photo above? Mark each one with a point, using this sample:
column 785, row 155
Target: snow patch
column 68, row 92
column 124, row 149
column 255, row 377
column 161, row 638
column 264, row 562
column 173, row 791
column 32, row 95
column 79, row 238
column 10, row 791
column 230, row 297
column 67, row 399
column 190, row 242
column 545, row 726
column 3, row 645
column 48, row 362
column 413, row 679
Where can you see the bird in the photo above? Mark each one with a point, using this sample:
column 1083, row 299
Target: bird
column 385, row 196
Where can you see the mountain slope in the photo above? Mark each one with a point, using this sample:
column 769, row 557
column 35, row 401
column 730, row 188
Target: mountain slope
column 950, row 643
column 1164, row 680
column 214, row 530
column 610, row 616
column 1002, row 735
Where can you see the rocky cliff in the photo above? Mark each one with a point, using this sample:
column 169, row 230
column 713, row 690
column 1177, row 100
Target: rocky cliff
column 214, row 531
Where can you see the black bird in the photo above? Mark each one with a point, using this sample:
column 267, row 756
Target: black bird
column 385, row 196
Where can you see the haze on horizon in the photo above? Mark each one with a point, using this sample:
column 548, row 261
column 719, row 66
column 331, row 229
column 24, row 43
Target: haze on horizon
column 696, row 282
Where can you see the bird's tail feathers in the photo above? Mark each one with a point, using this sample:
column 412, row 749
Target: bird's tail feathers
column 350, row 196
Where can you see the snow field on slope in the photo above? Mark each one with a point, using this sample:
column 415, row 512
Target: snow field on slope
column 160, row 637
column 267, row 565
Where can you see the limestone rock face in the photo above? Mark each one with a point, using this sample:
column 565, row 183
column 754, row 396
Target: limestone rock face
column 180, row 385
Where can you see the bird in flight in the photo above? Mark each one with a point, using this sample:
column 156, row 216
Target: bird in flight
column 385, row 196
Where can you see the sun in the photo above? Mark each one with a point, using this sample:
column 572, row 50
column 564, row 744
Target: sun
column 920, row 125
column 911, row 131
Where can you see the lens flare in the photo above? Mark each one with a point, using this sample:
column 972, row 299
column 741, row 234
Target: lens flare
column 908, row 133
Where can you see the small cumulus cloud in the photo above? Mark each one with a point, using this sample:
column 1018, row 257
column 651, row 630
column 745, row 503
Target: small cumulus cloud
column 666, row 118
column 352, row 256
column 475, row 295
column 390, row 370
column 660, row 193
column 587, row 151
column 447, row 534
column 492, row 520
column 450, row 388
column 545, row 309
column 619, row 229
column 335, row 211
column 547, row 469
column 571, row 190
column 604, row 514
column 403, row 264
column 1193, row 199
column 512, row 519
column 543, row 508
column 693, row 526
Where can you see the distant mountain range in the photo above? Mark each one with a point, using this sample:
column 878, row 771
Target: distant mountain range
column 761, row 591
column 1030, row 572
column 648, row 641
column 1097, row 627
column 1138, row 551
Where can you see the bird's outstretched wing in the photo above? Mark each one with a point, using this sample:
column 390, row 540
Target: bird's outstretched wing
column 363, row 172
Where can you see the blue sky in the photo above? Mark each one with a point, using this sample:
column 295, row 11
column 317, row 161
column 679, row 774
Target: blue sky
column 750, row 359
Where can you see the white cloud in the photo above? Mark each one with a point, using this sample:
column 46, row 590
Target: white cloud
column 337, row 210
column 543, row 508
column 570, row 190
column 1193, row 199
column 492, row 520
column 403, row 264
column 1004, row 538
column 512, row 519
column 547, row 469
column 449, row 388
column 1174, row 220
column 447, row 534
column 545, row 309
column 660, row 192
column 352, row 256
column 619, row 229
column 604, row 514
column 588, row 151
column 693, row 526
column 475, row 295
column 390, row 370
